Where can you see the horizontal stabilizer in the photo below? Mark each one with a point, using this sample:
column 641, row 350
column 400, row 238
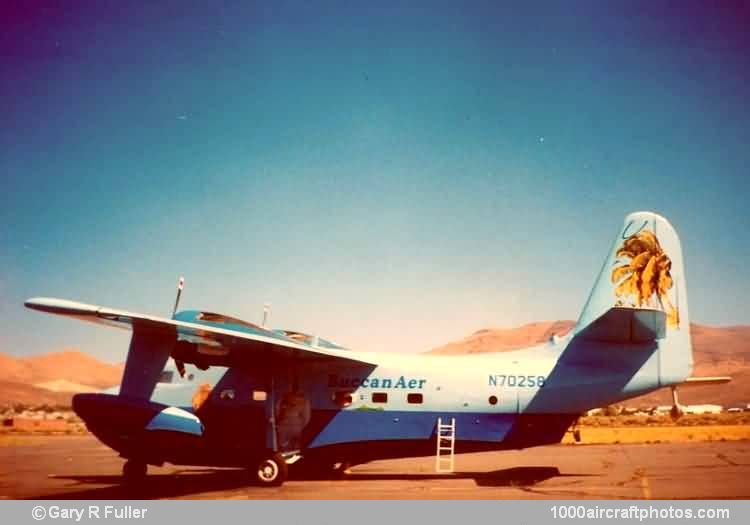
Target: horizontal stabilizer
column 626, row 325
column 705, row 381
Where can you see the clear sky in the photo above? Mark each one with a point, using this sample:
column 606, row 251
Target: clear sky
column 391, row 178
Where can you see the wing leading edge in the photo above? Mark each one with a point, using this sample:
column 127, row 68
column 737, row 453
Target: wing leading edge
column 214, row 345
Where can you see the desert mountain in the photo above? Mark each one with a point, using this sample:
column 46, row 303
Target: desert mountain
column 63, row 385
column 70, row 365
column 501, row 340
column 53, row 378
column 12, row 392
column 716, row 351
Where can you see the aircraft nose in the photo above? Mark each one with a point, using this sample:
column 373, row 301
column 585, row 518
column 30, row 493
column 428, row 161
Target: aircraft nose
column 114, row 414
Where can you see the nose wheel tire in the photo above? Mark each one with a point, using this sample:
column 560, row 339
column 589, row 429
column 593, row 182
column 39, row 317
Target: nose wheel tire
column 271, row 471
column 134, row 471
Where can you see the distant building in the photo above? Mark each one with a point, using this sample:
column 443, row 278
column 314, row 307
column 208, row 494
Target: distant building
column 703, row 409
column 37, row 424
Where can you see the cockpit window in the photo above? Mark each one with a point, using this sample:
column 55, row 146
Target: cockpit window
column 310, row 339
column 166, row 376
column 225, row 319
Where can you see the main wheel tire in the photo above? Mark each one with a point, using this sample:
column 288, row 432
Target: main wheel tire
column 134, row 471
column 271, row 471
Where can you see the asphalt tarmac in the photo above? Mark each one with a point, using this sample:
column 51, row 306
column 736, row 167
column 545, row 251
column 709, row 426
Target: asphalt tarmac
column 79, row 467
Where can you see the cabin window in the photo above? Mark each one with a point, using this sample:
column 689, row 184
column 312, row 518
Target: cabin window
column 379, row 397
column 493, row 400
column 227, row 394
column 414, row 399
column 166, row 376
column 342, row 398
column 260, row 395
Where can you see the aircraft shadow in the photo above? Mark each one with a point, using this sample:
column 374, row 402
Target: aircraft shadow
column 154, row 486
column 210, row 480
column 510, row 477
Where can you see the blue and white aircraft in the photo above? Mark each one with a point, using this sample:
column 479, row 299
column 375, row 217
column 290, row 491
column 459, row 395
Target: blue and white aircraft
column 242, row 395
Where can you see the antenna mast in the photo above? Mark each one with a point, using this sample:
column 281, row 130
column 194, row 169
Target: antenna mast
column 266, row 313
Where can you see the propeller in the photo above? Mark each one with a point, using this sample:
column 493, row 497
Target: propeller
column 180, row 285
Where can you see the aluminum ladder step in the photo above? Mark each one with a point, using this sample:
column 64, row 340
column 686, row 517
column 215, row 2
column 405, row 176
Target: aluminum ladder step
column 446, row 445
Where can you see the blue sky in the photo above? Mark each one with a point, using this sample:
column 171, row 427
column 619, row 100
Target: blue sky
column 388, row 177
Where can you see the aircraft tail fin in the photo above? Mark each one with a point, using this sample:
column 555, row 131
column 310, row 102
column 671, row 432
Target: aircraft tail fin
column 640, row 295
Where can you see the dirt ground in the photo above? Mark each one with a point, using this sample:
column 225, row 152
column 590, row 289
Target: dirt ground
column 79, row 467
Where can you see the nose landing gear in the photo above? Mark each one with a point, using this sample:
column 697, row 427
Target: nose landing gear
column 676, row 411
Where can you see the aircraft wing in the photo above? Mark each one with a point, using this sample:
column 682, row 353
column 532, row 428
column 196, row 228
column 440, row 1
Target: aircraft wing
column 210, row 344
column 705, row 381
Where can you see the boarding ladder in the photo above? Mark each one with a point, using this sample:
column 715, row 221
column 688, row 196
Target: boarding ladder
column 446, row 442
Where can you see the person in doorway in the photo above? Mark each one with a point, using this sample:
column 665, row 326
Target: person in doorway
column 292, row 416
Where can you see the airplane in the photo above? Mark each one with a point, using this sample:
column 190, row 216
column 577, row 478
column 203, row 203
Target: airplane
column 243, row 395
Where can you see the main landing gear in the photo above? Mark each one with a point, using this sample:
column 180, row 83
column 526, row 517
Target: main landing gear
column 134, row 471
column 271, row 471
